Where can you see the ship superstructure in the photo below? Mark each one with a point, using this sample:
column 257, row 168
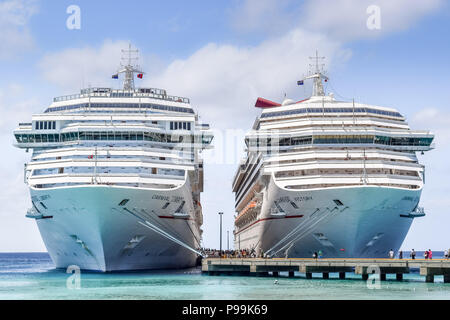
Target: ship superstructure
column 115, row 177
column 325, row 175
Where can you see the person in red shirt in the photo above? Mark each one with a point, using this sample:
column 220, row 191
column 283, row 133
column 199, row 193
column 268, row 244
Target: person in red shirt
column 430, row 254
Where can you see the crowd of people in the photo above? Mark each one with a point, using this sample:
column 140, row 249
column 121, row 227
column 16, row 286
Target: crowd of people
column 245, row 253
column 428, row 254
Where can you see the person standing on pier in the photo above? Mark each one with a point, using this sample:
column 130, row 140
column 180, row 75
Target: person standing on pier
column 413, row 254
column 446, row 254
column 400, row 254
column 391, row 254
column 430, row 254
column 426, row 255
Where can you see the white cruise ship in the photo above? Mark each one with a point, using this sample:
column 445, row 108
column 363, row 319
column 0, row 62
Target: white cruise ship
column 326, row 175
column 115, row 177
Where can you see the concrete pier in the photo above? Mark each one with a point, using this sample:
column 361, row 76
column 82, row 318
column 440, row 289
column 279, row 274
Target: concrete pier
column 363, row 267
column 436, row 268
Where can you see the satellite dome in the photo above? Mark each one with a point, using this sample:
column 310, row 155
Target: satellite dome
column 287, row 102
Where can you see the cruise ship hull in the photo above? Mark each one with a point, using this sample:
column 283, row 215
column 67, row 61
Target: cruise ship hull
column 365, row 221
column 105, row 228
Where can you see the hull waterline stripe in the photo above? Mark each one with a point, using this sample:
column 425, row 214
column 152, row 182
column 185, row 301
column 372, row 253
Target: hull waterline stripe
column 177, row 218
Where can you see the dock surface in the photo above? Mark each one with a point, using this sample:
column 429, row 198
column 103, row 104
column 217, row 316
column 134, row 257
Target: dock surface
column 363, row 267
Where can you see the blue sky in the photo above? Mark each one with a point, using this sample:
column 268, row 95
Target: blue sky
column 223, row 55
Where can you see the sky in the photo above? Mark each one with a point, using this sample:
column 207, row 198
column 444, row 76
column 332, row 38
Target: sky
column 223, row 55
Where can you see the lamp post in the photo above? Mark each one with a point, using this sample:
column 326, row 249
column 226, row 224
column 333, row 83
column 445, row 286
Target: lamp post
column 228, row 240
column 220, row 215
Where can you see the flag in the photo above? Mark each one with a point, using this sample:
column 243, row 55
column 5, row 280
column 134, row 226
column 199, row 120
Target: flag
column 115, row 76
column 140, row 75
column 300, row 82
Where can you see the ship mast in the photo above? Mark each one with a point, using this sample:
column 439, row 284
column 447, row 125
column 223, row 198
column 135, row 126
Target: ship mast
column 317, row 75
column 128, row 68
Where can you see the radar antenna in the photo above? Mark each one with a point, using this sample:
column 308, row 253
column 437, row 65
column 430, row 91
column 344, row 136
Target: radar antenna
column 129, row 66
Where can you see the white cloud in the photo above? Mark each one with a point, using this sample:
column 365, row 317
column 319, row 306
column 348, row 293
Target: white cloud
column 431, row 230
column 347, row 19
column 15, row 37
column 223, row 81
column 271, row 16
column 438, row 120
column 344, row 20
column 75, row 68
column 15, row 106
column 18, row 232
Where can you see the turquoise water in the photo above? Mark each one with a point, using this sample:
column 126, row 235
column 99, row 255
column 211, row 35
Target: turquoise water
column 33, row 276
